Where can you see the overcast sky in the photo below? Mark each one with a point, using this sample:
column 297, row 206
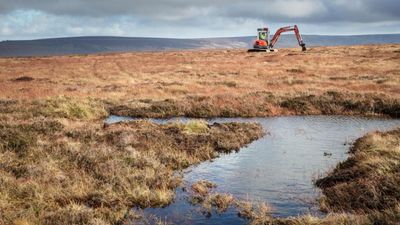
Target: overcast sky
column 31, row 19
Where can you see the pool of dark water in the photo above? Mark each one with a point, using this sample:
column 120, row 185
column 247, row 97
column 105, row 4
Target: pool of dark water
column 278, row 169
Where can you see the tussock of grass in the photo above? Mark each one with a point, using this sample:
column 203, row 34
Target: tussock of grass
column 203, row 187
column 54, row 107
column 72, row 108
column 221, row 202
column 256, row 213
column 16, row 138
column 196, row 127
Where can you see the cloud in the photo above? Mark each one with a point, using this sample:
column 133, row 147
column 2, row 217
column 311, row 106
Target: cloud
column 191, row 18
column 183, row 9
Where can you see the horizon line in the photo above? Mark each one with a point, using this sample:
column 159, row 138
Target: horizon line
column 183, row 38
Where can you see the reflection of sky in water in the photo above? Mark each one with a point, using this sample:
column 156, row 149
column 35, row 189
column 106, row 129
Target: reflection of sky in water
column 277, row 168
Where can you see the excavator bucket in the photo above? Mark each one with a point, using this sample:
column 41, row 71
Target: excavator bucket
column 303, row 47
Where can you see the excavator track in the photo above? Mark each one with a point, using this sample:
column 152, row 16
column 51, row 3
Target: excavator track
column 262, row 50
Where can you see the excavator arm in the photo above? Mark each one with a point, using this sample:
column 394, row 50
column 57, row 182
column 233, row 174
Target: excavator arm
column 294, row 28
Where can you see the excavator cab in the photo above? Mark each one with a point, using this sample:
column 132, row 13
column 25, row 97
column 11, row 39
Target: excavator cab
column 262, row 40
column 263, row 34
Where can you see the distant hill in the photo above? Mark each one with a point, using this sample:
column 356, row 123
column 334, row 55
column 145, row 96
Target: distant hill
column 88, row 45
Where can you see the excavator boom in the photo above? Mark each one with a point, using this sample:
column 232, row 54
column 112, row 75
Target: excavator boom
column 294, row 28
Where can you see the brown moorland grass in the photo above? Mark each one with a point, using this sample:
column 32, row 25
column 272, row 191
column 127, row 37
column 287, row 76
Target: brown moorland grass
column 202, row 187
column 263, row 104
column 369, row 179
column 324, row 80
column 59, row 164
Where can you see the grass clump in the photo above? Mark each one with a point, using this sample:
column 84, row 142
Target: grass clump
column 256, row 213
column 221, row 202
column 72, row 108
column 203, row 187
column 196, row 127
column 16, row 138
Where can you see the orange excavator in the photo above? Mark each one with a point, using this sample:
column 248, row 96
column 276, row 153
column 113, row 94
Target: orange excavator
column 264, row 44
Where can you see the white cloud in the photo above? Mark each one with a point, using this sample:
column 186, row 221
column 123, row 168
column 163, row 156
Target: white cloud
column 22, row 19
